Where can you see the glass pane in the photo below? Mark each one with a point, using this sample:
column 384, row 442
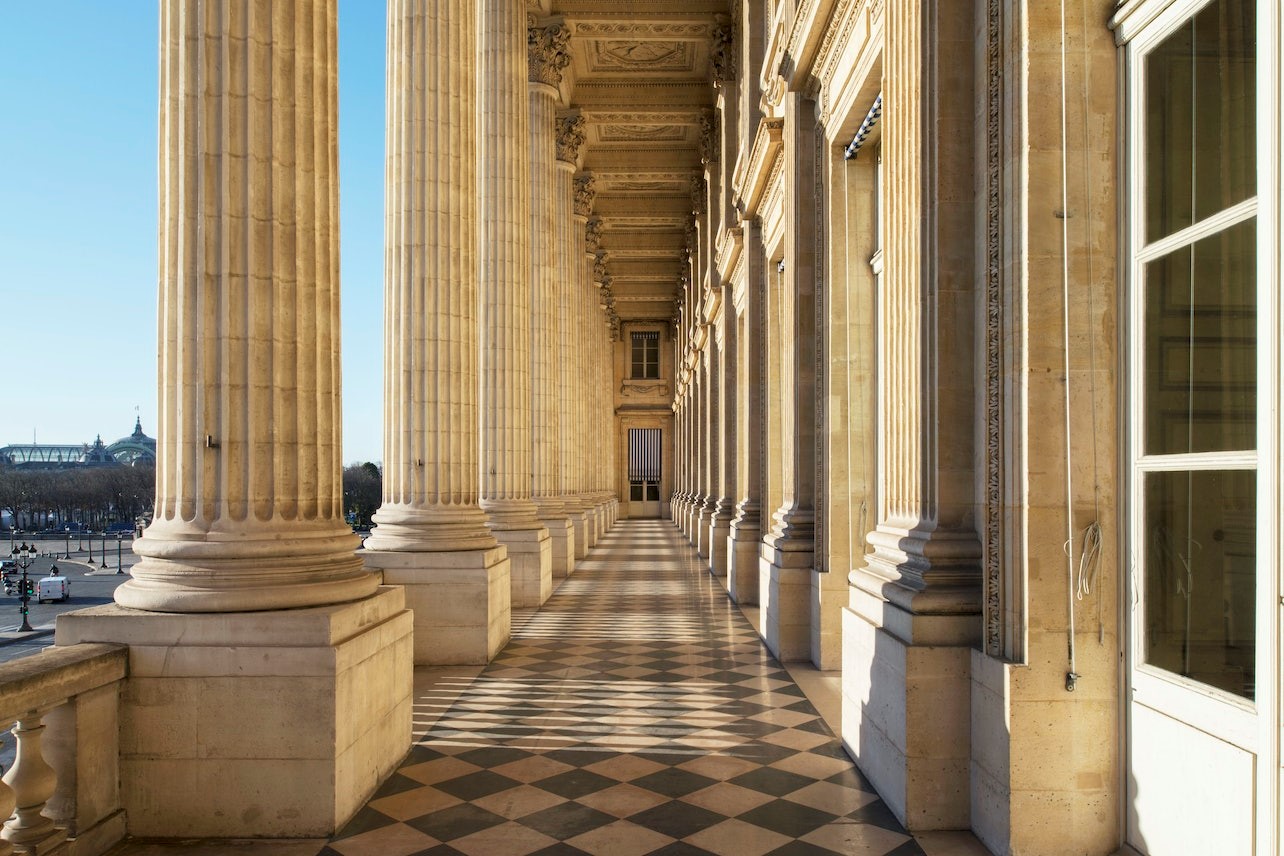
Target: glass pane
column 1200, row 345
column 652, row 492
column 635, row 492
column 1200, row 118
column 1200, row 583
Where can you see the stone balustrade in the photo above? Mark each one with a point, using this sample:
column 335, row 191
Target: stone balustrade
column 62, row 795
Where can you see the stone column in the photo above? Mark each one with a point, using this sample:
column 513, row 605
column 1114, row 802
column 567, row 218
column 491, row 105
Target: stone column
column 249, row 542
column 430, row 534
column 589, row 318
column 915, row 609
column 789, row 548
column 569, row 230
column 746, row 528
column 506, row 303
column 550, row 218
column 572, row 329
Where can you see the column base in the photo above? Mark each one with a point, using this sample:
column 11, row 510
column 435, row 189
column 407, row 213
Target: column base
column 561, row 533
column 719, row 530
column 257, row 724
column 462, row 601
column 743, row 550
column 530, row 556
column 579, row 526
column 784, row 592
column 906, row 718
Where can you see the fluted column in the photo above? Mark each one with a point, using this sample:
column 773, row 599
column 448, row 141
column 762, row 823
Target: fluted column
column 573, row 322
column 569, row 234
column 430, row 533
column 249, row 511
column 430, row 483
column 506, row 418
column 550, row 247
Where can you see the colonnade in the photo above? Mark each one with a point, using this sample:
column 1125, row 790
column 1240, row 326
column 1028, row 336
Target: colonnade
column 497, row 446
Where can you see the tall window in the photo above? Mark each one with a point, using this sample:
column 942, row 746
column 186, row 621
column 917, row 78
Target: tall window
column 646, row 354
column 1194, row 389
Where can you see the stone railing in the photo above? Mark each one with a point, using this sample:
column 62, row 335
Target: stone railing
column 62, row 795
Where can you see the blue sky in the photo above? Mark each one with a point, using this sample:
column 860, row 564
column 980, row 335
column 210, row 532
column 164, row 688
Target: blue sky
column 78, row 220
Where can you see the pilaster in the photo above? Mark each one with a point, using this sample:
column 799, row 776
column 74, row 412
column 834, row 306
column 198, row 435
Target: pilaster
column 746, row 527
column 915, row 606
column 788, row 551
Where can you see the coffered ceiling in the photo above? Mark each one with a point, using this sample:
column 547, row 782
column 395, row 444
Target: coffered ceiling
column 641, row 76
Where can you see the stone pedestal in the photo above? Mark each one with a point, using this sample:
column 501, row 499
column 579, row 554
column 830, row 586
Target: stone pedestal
column 256, row 724
column 743, row 549
column 461, row 601
column 906, row 712
column 784, row 592
column 530, row 554
column 561, row 539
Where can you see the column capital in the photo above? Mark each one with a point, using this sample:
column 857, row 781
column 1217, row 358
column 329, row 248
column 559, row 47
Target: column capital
column 585, row 193
column 547, row 53
column 570, row 137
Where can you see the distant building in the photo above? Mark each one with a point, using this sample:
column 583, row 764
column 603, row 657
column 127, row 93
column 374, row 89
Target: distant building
column 128, row 451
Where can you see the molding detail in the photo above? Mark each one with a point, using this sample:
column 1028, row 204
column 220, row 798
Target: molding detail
column 992, row 556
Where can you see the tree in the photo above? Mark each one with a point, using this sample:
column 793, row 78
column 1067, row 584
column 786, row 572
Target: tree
column 362, row 492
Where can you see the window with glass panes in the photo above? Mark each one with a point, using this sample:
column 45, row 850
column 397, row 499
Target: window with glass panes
column 1194, row 314
column 646, row 354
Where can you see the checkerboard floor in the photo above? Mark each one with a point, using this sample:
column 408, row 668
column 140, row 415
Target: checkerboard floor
column 636, row 712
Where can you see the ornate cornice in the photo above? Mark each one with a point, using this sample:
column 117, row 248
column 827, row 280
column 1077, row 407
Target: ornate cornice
column 752, row 173
column 730, row 243
column 548, row 53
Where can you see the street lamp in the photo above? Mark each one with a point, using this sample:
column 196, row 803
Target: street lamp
column 23, row 557
column 120, row 536
column 67, row 552
column 103, row 566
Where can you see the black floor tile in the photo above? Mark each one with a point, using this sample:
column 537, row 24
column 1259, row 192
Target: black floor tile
column 456, row 821
column 676, row 819
column 787, row 818
column 567, row 820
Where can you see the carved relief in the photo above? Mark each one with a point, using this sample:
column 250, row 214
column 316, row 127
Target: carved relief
column 599, row 267
column 641, row 388
column 570, row 137
column 642, row 56
column 548, row 53
column 649, row 133
column 585, row 194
